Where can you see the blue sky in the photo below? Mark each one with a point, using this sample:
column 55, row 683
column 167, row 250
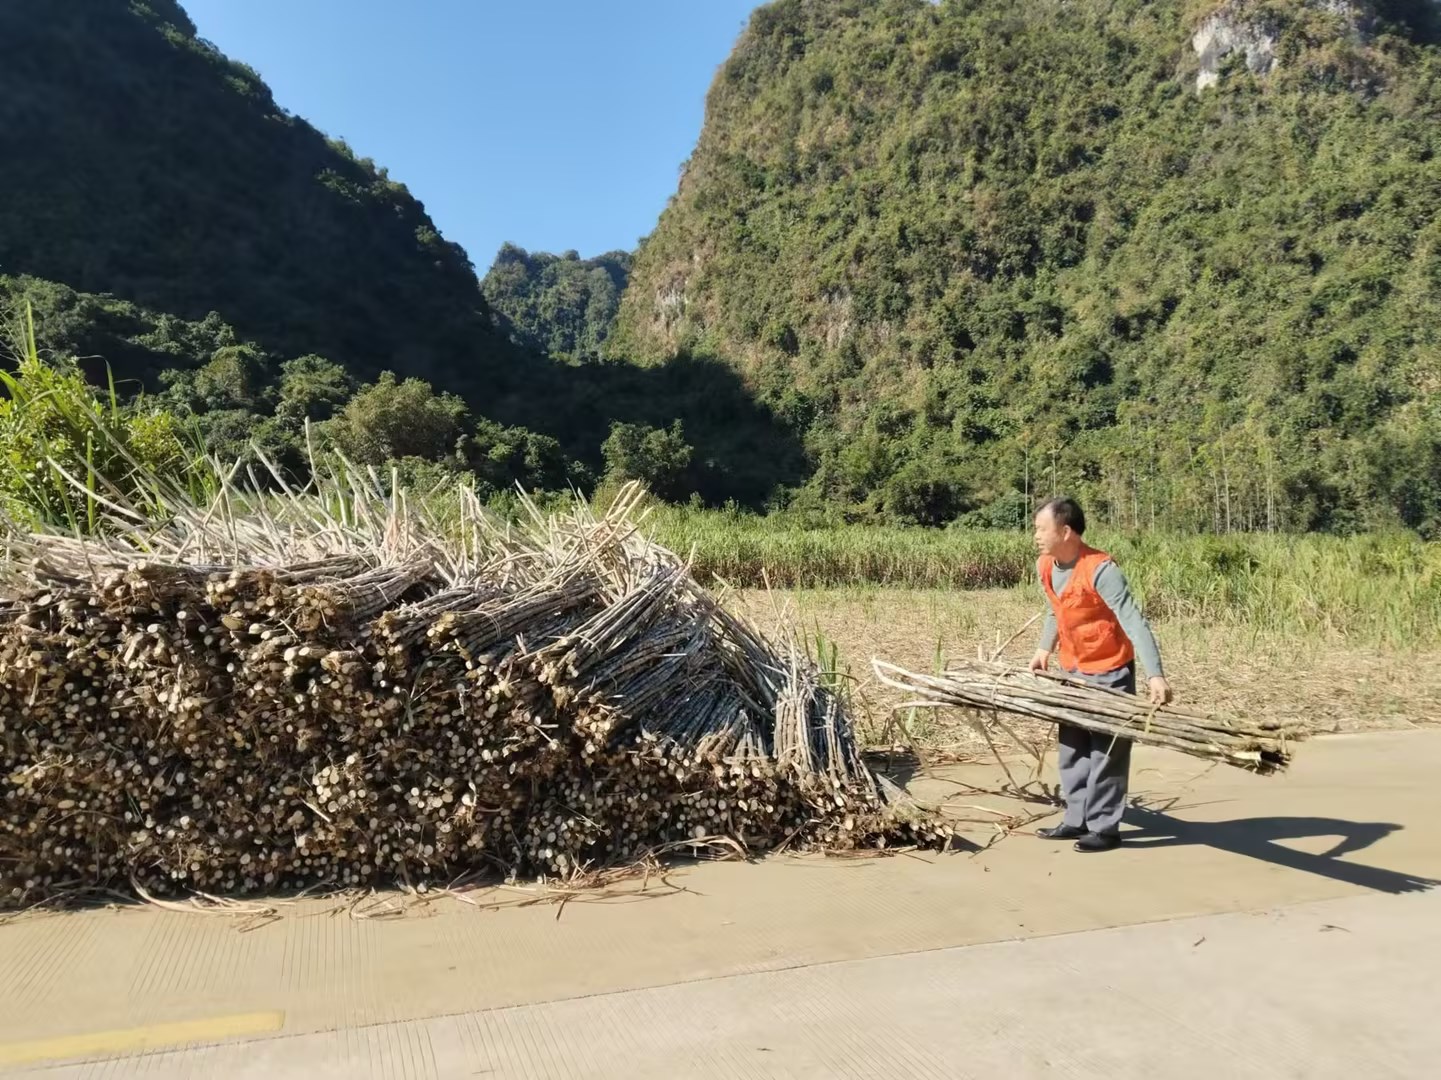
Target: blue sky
column 552, row 124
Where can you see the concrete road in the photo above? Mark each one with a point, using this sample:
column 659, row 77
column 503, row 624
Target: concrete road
column 1250, row 927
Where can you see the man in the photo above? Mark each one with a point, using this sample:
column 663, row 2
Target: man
column 1100, row 631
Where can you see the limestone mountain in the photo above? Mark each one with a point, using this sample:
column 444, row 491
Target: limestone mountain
column 141, row 162
column 170, row 221
column 1181, row 257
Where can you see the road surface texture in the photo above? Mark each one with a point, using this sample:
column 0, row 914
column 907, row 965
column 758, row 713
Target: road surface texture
column 1285, row 927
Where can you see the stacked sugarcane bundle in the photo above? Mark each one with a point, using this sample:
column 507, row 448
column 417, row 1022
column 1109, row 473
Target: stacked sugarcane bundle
column 352, row 690
column 1261, row 746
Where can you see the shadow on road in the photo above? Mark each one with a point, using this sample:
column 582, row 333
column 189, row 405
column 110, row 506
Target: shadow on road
column 1261, row 837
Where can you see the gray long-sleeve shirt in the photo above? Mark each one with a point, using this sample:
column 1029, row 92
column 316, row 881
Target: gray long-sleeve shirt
column 1114, row 590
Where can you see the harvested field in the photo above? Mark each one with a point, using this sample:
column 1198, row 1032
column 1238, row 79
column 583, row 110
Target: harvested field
column 1329, row 683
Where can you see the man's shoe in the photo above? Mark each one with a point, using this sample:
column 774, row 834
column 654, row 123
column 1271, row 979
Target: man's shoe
column 1061, row 832
column 1098, row 842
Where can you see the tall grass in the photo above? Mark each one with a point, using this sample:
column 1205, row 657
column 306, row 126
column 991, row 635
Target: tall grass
column 1382, row 589
column 70, row 453
column 748, row 551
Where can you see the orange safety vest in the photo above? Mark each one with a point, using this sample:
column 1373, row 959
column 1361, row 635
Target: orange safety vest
column 1091, row 637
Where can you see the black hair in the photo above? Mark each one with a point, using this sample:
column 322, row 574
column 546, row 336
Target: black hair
column 1067, row 511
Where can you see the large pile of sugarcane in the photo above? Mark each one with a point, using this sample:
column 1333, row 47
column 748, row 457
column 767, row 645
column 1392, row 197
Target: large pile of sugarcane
column 1259, row 745
column 351, row 691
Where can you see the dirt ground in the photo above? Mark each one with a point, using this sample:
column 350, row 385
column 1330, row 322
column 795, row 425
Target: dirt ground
column 1334, row 686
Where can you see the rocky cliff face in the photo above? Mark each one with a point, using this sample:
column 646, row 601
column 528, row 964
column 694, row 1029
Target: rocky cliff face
column 1228, row 32
column 1254, row 30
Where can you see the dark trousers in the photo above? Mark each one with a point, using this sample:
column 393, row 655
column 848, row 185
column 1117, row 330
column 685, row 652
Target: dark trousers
column 1096, row 768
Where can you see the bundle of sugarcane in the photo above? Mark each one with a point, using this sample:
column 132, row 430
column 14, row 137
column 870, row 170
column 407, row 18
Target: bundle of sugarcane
column 1261, row 746
column 352, row 691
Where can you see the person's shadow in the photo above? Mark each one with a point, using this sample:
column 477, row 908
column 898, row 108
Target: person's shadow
column 1258, row 838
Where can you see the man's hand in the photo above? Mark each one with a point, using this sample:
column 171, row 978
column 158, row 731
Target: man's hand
column 1160, row 690
column 1041, row 660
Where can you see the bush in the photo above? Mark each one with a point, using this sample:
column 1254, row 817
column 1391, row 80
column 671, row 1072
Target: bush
column 392, row 419
column 62, row 447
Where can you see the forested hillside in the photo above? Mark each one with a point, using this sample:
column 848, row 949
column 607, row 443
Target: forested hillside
column 561, row 305
column 174, row 226
column 926, row 263
column 139, row 161
column 982, row 248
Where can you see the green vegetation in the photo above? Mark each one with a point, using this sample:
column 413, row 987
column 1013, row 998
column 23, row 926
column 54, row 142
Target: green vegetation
column 715, row 440
column 980, row 250
column 237, row 398
column 141, row 162
column 172, row 224
column 656, row 457
column 73, row 455
column 561, row 305
column 1380, row 589
column 926, row 264
column 67, row 454
column 746, row 550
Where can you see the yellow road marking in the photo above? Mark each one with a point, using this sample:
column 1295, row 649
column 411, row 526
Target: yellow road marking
column 133, row 1040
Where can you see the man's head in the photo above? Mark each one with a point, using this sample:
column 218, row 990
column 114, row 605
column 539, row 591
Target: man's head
column 1059, row 526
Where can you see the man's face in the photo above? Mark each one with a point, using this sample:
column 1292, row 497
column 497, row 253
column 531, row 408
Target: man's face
column 1050, row 537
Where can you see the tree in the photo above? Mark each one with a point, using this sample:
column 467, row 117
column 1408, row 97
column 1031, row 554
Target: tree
column 236, row 377
column 394, row 419
column 658, row 457
column 312, row 388
column 502, row 457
